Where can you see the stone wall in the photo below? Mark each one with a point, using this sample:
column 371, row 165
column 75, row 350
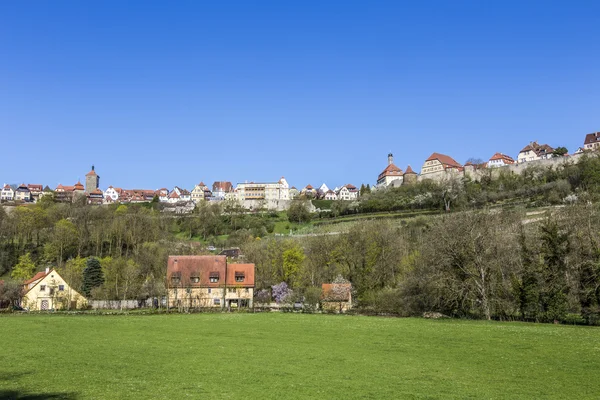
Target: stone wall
column 477, row 174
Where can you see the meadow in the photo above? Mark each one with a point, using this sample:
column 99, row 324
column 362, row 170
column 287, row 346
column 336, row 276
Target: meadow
column 292, row 356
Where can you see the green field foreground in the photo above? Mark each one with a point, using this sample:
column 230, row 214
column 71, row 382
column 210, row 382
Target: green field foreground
column 289, row 356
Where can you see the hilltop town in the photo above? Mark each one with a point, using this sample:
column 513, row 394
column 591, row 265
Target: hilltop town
column 278, row 195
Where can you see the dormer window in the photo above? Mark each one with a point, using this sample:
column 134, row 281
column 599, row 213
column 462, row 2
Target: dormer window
column 213, row 277
column 195, row 279
column 176, row 278
column 239, row 276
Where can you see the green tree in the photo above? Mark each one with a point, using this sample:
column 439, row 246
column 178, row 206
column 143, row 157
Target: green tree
column 292, row 264
column 560, row 151
column 63, row 242
column 24, row 269
column 555, row 248
column 93, row 276
column 298, row 212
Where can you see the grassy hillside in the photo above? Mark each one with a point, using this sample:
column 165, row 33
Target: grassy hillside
column 293, row 356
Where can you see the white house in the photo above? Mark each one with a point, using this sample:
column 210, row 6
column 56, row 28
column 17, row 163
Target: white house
column 592, row 141
column 22, row 193
column 113, row 193
column 7, row 194
column 49, row 291
column 184, row 195
column 500, row 160
column 534, row 151
column 347, row 192
column 330, row 195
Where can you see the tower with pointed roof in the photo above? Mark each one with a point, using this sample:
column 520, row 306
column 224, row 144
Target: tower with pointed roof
column 410, row 176
column 92, row 181
column 390, row 174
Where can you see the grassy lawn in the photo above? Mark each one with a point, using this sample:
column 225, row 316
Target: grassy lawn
column 289, row 356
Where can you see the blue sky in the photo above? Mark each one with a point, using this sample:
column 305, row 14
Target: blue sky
column 172, row 93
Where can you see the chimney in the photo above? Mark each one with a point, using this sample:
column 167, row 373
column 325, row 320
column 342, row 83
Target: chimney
column 390, row 159
column 47, row 270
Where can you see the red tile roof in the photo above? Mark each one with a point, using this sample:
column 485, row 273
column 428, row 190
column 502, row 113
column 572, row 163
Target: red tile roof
column 409, row 170
column 500, row 156
column 203, row 267
column 36, row 277
column 390, row 170
column 447, row 161
column 78, row 186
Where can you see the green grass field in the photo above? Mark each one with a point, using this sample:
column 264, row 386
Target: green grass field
column 289, row 356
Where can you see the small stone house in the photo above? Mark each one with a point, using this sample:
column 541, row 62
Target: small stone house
column 49, row 291
column 336, row 297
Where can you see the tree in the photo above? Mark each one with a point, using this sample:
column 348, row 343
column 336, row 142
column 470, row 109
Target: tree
column 292, row 264
column 555, row 248
column 560, row 151
column 475, row 161
column 93, row 276
column 298, row 212
column 63, row 242
column 281, row 293
column 24, row 269
column 11, row 292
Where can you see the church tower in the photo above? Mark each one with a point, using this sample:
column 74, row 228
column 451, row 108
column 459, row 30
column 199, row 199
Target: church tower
column 92, row 181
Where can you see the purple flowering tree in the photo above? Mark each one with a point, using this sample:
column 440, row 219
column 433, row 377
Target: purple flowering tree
column 281, row 293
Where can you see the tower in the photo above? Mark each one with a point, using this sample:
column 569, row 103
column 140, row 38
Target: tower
column 390, row 159
column 92, row 181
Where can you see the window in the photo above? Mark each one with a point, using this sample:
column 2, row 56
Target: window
column 231, row 290
column 209, row 290
column 213, row 277
column 42, row 288
column 247, row 290
column 61, row 288
column 195, row 279
column 217, row 302
column 239, row 276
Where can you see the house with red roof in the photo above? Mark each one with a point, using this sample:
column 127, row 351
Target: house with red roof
column 49, row 291
column 336, row 296
column 438, row 162
column 209, row 281
column 390, row 174
column 500, row 160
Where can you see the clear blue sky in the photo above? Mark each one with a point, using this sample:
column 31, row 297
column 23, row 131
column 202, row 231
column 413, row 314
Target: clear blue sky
column 171, row 93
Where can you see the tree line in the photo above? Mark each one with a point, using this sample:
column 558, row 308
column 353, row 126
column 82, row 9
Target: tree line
column 476, row 264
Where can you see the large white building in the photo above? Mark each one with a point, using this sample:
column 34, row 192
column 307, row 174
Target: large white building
column 263, row 191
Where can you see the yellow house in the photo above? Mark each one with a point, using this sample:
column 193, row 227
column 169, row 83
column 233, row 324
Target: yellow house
column 49, row 291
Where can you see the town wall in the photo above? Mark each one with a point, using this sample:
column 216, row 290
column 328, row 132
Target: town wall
column 476, row 174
